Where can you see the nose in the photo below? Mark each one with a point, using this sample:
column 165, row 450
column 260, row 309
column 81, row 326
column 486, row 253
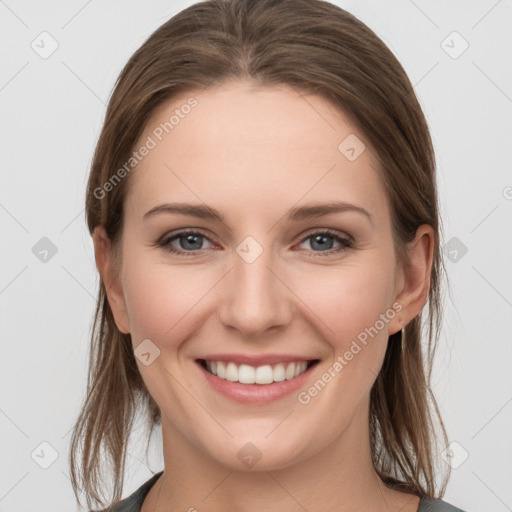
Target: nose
column 254, row 296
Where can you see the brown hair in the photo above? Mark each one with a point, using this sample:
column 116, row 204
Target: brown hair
column 319, row 48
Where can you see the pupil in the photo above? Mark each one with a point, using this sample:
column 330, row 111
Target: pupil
column 192, row 239
column 321, row 240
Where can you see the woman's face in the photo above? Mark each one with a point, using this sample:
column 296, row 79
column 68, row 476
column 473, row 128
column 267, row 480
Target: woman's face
column 287, row 257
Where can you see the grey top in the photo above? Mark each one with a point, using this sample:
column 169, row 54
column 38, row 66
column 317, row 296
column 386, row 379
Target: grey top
column 133, row 503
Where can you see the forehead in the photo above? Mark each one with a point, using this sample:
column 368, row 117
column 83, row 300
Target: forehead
column 247, row 146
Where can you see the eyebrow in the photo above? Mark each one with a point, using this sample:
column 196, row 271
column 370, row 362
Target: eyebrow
column 295, row 214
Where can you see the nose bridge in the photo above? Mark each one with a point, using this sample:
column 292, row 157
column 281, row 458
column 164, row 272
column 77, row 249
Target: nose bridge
column 255, row 299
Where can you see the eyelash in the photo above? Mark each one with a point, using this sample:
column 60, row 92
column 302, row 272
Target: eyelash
column 346, row 243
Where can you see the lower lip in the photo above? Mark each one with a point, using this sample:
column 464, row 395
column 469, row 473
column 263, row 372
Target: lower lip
column 256, row 393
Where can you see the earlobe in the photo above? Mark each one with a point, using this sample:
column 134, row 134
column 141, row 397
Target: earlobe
column 110, row 278
column 415, row 279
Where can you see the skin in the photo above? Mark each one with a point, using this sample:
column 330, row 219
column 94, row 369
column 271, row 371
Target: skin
column 253, row 153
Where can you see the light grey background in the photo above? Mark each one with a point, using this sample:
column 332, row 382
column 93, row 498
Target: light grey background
column 52, row 111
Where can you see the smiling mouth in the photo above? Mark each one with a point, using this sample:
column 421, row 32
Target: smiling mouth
column 265, row 374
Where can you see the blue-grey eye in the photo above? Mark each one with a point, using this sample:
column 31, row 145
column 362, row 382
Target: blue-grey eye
column 188, row 242
column 324, row 241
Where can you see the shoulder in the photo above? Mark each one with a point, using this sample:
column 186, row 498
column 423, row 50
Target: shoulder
column 133, row 503
column 436, row 505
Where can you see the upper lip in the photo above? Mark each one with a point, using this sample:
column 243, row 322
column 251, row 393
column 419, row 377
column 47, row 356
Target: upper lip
column 257, row 360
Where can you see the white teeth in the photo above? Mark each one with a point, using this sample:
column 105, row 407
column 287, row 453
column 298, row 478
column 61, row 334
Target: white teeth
column 279, row 373
column 246, row 374
column 264, row 375
column 290, row 371
column 232, row 372
column 221, row 370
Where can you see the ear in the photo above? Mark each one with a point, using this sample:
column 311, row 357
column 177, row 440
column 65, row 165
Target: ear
column 115, row 296
column 413, row 283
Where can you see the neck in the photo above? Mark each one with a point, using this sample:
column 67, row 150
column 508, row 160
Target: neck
column 340, row 477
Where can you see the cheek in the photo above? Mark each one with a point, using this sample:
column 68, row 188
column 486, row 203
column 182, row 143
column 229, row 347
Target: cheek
column 350, row 300
column 163, row 303
column 159, row 297
column 356, row 305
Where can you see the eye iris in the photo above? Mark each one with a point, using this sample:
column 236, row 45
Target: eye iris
column 321, row 240
column 195, row 240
